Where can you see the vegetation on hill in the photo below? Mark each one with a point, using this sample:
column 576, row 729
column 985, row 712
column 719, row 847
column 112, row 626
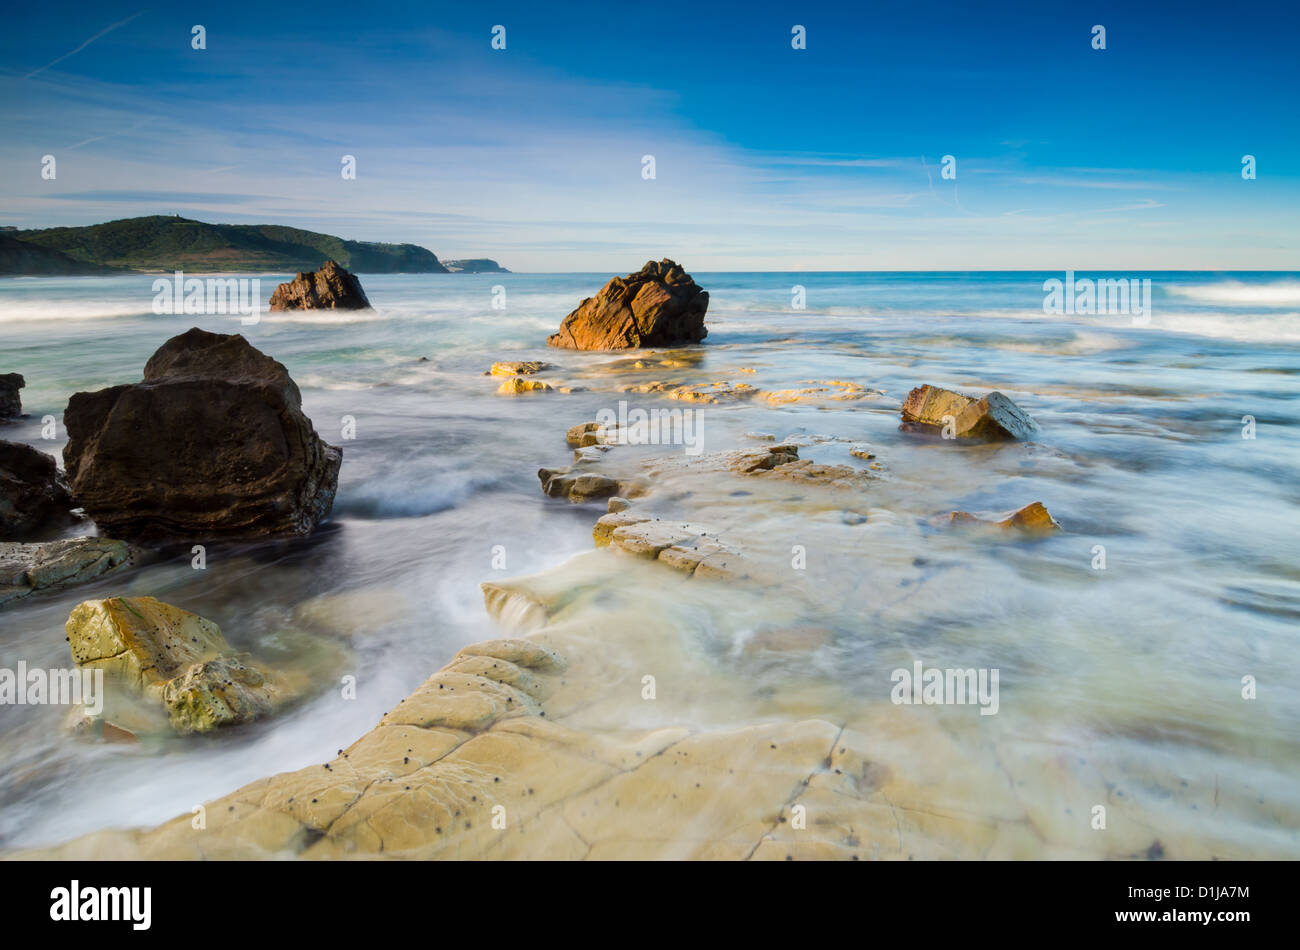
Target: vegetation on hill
column 22, row 259
column 162, row 243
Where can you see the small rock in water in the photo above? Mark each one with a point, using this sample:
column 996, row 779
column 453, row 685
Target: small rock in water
column 577, row 486
column 1033, row 519
column 517, row 385
column 992, row 417
column 591, row 433
column 518, row 368
column 169, row 655
column 33, row 493
column 11, row 404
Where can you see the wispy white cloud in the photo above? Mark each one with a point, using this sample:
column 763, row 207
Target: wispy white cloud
column 1145, row 204
column 542, row 171
column 1060, row 181
column 104, row 32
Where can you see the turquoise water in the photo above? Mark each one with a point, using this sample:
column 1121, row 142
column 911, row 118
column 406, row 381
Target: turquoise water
column 1141, row 452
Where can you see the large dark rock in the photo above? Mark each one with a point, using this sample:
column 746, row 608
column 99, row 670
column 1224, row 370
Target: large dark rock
column 211, row 444
column 11, row 405
column 330, row 288
column 33, row 493
column 660, row 305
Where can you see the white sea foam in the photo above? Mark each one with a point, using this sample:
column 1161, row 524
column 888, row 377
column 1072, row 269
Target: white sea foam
column 76, row 308
column 1233, row 293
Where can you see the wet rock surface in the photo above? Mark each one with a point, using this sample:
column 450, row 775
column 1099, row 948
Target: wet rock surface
column 1032, row 520
column 33, row 492
column 11, row 404
column 55, row 565
column 171, row 656
column 993, row 417
column 211, row 444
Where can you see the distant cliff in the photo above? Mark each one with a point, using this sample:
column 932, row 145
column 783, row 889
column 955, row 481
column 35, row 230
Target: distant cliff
column 476, row 265
column 161, row 243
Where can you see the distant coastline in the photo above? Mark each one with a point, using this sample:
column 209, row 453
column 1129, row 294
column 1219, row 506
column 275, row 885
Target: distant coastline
column 163, row 243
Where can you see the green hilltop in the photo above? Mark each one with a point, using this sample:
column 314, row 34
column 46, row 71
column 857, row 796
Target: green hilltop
column 167, row 243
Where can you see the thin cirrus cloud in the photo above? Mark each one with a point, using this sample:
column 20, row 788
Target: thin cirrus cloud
column 104, row 32
column 471, row 154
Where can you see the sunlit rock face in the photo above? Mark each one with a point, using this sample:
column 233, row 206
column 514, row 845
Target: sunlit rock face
column 993, row 417
column 659, row 305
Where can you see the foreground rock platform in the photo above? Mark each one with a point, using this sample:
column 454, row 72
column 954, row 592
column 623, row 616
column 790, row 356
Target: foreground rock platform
column 211, row 445
column 687, row 690
column 523, row 748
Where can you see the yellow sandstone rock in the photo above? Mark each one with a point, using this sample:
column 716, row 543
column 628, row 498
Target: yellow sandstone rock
column 518, row 367
column 172, row 656
column 1033, row 519
column 517, row 385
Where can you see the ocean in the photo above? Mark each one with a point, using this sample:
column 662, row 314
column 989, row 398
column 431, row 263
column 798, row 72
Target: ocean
column 1168, row 443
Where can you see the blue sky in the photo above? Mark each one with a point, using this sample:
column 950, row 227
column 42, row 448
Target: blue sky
column 766, row 157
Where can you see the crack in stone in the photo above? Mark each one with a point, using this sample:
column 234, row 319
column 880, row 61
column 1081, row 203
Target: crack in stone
column 820, row 767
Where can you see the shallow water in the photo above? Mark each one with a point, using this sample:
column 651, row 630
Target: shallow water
column 1141, row 451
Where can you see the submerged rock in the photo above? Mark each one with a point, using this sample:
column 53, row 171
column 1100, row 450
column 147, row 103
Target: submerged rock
column 172, row 656
column 991, row 417
column 54, row 565
column 33, row 492
column 660, row 305
column 816, row 390
column 11, row 404
column 211, row 444
column 720, row 391
column 1033, row 519
column 330, row 288
column 518, row 367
